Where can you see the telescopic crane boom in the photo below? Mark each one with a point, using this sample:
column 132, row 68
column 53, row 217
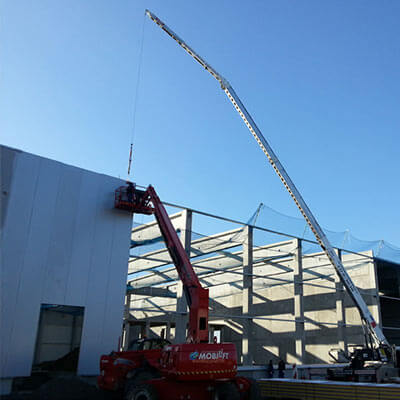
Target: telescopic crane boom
column 197, row 369
column 374, row 331
column 148, row 202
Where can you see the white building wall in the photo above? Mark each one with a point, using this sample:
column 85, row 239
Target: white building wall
column 62, row 242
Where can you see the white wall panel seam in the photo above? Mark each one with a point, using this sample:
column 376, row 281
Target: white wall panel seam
column 83, row 238
column 38, row 242
column 72, row 241
column 92, row 252
column 89, row 271
column 20, row 159
column 56, row 261
column 94, row 313
column 109, row 272
column 47, row 264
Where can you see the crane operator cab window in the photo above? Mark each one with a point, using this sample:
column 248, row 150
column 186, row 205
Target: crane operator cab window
column 147, row 344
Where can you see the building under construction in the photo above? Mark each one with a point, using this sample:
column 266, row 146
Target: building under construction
column 71, row 263
column 273, row 295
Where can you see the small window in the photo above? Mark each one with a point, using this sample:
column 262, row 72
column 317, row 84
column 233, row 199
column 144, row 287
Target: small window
column 217, row 335
column 147, row 345
column 134, row 346
column 203, row 324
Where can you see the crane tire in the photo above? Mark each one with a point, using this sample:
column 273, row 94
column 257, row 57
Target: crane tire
column 227, row 391
column 137, row 380
column 145, row 391
column 254, row 391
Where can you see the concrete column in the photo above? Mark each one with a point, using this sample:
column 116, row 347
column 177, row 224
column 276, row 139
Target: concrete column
column 247, row 296
column 340, row 310
column 181, row 304
column 300, row 332
column 168, row 331
column 374, row 285
column 126, row 335
column 147, row 329
column 126, row 326
column 39, row 336
column 210, row 333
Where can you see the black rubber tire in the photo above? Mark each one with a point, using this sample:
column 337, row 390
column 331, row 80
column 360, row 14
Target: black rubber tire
column 254, row 392
column 145, row 392
column 137, row 380
column 109, row 395
column 227, row 391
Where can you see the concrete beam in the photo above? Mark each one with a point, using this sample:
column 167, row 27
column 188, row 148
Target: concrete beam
column 217, row 276
column 151, row 230
column 151, row 291
column 263, row 256
column 209, row 244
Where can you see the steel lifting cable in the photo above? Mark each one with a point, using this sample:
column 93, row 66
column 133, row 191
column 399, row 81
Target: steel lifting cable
column 132, row 138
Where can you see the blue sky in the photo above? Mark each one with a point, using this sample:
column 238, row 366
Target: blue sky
column 321, row 79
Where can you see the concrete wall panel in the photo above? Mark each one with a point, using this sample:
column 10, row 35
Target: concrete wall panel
column 62, row 233
column 115, row 299
column 33, row 273
column 83, row 241
column 107, row 279
column 7, row 157
column 14, row 239
column 62, row 243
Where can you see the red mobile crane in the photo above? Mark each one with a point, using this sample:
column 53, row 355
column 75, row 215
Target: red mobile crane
column 195, row 370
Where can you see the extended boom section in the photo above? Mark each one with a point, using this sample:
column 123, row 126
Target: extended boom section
column 156, row 369
column 148, row 202
column 375, row 333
